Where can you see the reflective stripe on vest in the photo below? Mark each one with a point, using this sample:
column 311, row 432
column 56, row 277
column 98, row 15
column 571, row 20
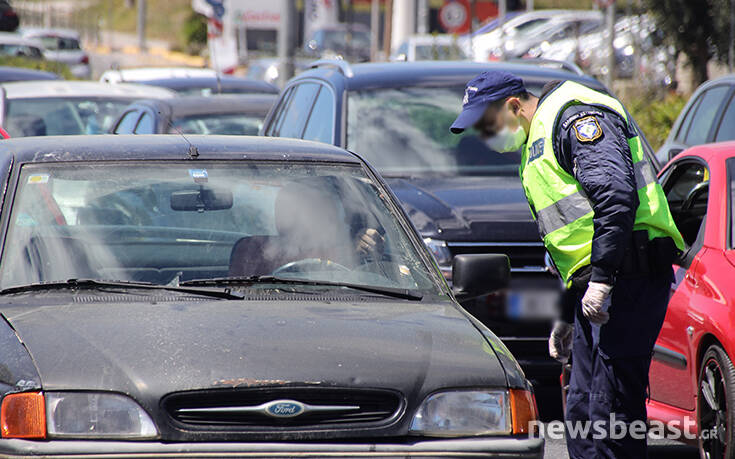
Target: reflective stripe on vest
column 577, row 205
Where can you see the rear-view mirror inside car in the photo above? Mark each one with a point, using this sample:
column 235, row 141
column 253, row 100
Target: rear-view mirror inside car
column 201, row 199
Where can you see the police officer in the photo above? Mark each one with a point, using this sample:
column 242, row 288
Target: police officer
column 606, row 224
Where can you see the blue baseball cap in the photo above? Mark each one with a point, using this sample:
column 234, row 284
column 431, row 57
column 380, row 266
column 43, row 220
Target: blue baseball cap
column 482, row 90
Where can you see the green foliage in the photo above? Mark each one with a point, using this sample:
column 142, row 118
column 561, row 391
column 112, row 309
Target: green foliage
column 656, row 115
column 195, row 32
column 36, row 64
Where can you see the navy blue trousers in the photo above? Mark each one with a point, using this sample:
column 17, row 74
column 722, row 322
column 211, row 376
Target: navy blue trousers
column 610, row 366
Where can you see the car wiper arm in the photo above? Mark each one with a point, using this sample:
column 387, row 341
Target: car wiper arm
column 225, row 294
column 269, row 279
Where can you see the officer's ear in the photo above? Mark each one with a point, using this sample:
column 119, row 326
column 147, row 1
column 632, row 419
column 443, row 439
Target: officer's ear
column 514, row 105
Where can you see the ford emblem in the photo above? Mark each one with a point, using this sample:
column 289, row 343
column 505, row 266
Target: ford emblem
column 284, row 408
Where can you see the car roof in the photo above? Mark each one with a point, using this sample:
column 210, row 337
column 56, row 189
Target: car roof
column 47, row 89
column 10, row 38
column 150, row 73
column 711, row 151
column 8, row 74
column 225, row 82
column 430, row 73
column 41, row 32
column 169, row 147
column 217, row 104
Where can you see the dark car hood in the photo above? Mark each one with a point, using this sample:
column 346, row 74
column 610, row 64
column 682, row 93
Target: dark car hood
column 150, row 349
column 467, row 208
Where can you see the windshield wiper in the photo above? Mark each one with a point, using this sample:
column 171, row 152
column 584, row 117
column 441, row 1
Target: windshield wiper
column 225, row 294
column 387, row 291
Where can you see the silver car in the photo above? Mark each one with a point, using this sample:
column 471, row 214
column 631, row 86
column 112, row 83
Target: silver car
column 62, row 45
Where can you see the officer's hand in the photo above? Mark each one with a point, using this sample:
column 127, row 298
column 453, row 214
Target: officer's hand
column 560, row 341
column 593, row 300
column 369, row 241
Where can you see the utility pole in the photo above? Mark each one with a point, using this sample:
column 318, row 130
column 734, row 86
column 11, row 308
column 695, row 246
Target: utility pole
column 374, row 29
column 731, row 51
column 388, row 27
column 141, row 24
column 502, row 11
column 422, row 17
column 610, row 76
column 287, row 42
column 529, row 5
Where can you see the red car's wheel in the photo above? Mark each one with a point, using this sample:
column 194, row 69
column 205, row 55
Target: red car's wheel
column 716, row 386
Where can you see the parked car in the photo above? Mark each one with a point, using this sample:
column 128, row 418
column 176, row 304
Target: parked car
column 483, row 43
column 38, row 108
column 559, row 27
column 8, row 74
column 348, row 41
column 15, row 45
column 462, row 197
column 191, row 82
column 429, row 48
column 8, row 17
column 692, row 378
column 64, row 46
column 225, row 114
column 708, row 116
column 207, row 298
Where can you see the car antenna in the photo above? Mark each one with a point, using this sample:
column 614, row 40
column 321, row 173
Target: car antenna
column 193, row 150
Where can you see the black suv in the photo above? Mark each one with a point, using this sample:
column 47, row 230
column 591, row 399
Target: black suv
column 462, row 197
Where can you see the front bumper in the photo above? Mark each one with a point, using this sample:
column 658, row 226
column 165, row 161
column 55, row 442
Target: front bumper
column 499, row 447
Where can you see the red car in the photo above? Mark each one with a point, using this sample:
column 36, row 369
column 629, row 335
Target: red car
column 692, row 378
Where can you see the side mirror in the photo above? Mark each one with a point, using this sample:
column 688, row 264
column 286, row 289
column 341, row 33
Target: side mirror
column 478, row 275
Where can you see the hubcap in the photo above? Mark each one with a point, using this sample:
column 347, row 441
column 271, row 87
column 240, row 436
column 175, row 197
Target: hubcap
column 713, row 418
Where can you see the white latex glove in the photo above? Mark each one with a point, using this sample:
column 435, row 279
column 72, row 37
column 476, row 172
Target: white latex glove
column 560, row 341
column 593, row 300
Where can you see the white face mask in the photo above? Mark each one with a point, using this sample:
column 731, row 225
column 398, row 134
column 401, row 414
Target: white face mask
column 507, row 140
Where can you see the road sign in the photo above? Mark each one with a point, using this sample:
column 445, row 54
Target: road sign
column 454, row 15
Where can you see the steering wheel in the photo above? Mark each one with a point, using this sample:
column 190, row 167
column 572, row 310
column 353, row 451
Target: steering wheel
column 310, row 264
column 693, row 195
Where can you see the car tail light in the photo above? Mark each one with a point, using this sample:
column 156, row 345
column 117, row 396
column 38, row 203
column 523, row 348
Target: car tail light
column 23, row 415
column 85, row 59
column 523, row 411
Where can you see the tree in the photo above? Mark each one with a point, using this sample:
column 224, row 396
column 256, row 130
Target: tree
column 698, row 29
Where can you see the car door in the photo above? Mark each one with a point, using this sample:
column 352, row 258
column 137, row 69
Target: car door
column 686, row 186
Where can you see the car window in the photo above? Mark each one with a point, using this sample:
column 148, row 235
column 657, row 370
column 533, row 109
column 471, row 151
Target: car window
column 704, row 117
column 164, row 222
column 321, row 124
column 688, row 207
column 277, row 118
column 146, row 124
column 63, row 115
column 298, row 110
column 684, row 128
column 222, row 124
column 726, row 131
column 127, row 122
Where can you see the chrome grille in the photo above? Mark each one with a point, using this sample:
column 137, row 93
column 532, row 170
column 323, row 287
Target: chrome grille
column 248, row 409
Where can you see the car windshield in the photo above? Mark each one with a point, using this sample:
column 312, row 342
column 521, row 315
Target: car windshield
column 405, row 131
column 11, row 49
column 62, row 116
column 225, row 124
column 54, row 43
column 168, row 222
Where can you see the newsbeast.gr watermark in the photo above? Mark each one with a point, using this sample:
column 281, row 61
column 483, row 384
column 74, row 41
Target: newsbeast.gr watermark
column 616, row 429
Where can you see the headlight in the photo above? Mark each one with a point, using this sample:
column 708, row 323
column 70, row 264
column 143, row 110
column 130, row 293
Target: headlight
column 96, row 415
column 462, row 413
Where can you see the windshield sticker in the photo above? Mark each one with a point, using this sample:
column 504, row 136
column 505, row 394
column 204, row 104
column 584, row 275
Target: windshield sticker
column 38, row 178
column 404, row 270
column 199, row 175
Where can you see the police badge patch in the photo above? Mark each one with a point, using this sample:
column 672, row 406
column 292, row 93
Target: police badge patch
column 587, row 129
